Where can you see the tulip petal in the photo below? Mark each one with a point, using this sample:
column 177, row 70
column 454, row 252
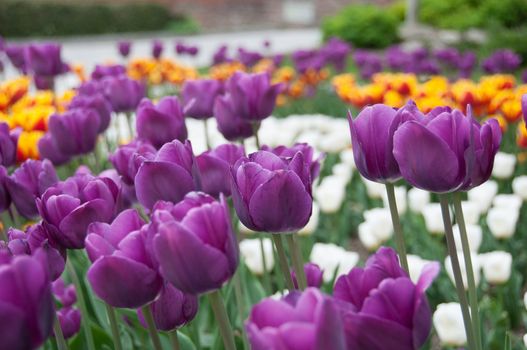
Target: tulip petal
column 281, row 204
column 425, row 160
column 188, row 263
column 161, row 181
column 123, row 282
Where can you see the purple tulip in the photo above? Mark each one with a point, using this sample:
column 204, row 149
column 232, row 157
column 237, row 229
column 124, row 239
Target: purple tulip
column 28, row 182
column 8, row 145
column 128, row 158
column 161, row 123
column 48, row 149
column 524, row 76
column 26, row 302
column 96, row 102
column 372, row 140
column 230, row 124
column 215, row 166
column 220, row 55
column 157, row 49
column 72, row 133
column 123, row 93
column 127, row 192
column 194, row 243
column 253, row 97
column 446, row 151
column 248, row 58
column 70, row 321
column 313, row 275
column 307, row 151
column 381, row 299
column 44, row 82
column 124, row 273
column 17, row 56
column 44, row 59
column 272, row 193
column 304, row 60
column 68, row 207
column 155, row 178
column 198, row 97
column 501, row 61
column 112, row 70
column 172, row 309
column 124, row 48
column 307, row 321
column 336, row 52
column 67, row 295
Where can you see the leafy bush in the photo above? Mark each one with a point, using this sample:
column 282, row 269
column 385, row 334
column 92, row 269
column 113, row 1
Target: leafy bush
column 365, row 26
column 513, row 39
column 464, row 14
column 24, row 18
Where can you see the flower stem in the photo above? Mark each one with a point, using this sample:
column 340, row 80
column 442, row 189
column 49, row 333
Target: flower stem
column 256, row 126
column 82, row 304
column 472, row 290
column 114, row 326
column 206, row 130
column 154, row 336
column 297, row 260
column 59, row 336
column 174, row 340
column 282, row 260
column 223, row 320
column 397, row 229
column 266, row 281
column 240, row 303
column 451, row 244
column 129, row 121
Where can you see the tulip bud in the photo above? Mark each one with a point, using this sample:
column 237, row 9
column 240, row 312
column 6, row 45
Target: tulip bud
column 418, row 199
column 330, row 194
column 332, row 259
column 519, row 186
column 433, row 219
column 496, row 266
column 474, row 236
column 504, row 164
column 483, row 195
column 502, row 222
column 448, row 322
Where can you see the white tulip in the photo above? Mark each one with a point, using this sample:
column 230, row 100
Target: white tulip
column 433, row 218
column 502, row 222
column 417, row 199
column 448, row 322
column 381, row 222
column 416, row 265
column 519, row 186
column 330, row 194
column 342, row 170
column 375, row 190
column 504, row 164
column 347, row 157
column 512, row 201
column 471, row 212
column 330, row 258
column 400, row 198
column 312, row 224
column 367, row 236
column 525, row 340
column 251, row 252
column 483, row 195
column 496, row 266
column 474, row 236
column 525, row 300
column 476, row 268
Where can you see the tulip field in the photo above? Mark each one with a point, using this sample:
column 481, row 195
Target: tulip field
column 324, row 199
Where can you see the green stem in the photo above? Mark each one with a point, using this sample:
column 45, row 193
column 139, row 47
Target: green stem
column 220, row 313
column 297, row 260
column 238, row 294
column 451, row 244
column 206, row 130
column 152, row 331
column 282, row 260
column 174, row 340
column 82, row 304
column 59, row 336
column 114, row 326
column 472, row 289
column 130, row 125
column 256, row 126
column 266, row 281
column 398, row 231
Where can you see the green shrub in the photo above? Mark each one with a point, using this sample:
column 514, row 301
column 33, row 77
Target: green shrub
column 365, row 26
column 24, row 18
column 513, row 39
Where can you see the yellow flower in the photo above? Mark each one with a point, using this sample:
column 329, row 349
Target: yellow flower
column 28, row 145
